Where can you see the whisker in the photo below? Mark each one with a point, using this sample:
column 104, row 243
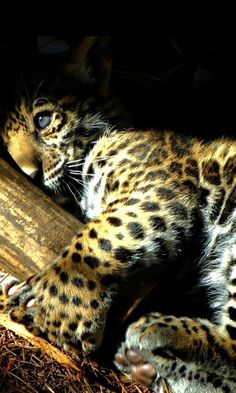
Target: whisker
column 63, row 188
column 75, row 189
column 19, row 94
column 27, row 93
column 73, row 172
column 37, row 89
column 81, row 159
column 74, row 163
column 84, row 159
column 67, row 180
column 68, row 170
column 72, row 193
column 83, row 184
column 56, row 189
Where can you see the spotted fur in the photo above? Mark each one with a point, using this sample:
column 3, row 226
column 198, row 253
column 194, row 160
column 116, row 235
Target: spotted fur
column 143, row 195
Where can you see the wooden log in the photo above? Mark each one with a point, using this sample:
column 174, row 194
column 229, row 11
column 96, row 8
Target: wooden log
column 33, row 229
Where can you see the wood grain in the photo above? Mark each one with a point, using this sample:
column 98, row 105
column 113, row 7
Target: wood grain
column 33, row 229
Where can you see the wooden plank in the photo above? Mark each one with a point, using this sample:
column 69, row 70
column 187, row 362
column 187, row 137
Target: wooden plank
column 33, row 229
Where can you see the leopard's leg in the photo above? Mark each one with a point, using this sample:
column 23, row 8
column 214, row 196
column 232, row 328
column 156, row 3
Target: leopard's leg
column 73, row 295
column 205, row 348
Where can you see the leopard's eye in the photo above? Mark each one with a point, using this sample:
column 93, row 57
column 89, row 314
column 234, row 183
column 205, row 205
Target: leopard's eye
column 43, row 120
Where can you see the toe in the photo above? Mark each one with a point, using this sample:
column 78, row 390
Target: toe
column 134, row 356
column 144, row 373
column 147, row 370
column 120, row 359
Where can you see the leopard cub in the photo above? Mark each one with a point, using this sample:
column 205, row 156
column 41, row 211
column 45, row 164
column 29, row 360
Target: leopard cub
column 144, row 197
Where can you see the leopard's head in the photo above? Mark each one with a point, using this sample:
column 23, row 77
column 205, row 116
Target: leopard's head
column 52, row 129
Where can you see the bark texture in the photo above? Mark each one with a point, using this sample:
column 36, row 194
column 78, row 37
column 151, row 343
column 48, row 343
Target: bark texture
column 33, row 229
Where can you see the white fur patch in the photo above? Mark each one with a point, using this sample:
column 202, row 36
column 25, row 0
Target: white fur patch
column 94, row 188
column 233, row 273
column 93, row 193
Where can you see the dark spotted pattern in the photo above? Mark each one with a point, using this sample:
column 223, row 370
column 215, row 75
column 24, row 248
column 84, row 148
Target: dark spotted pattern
column 176, row 167
column 158, row 223
column 64, row 277
column 115, row 221
column 123, row 254
column 136, row 230
column 91, row 285
column 93, row 233
column 229, row 170
column 165, row 193
column 53, row 290
column 132, row 201
column 65, row 253
column 105, row 245
column 94, row 304
column 92, row 262
column 63, row 299
column 73, row 326
column 179, row 210
column 78, row 282
column 76, row 300
column 76, row 257
column 232, row 331
column 150, row 206
column 211, row 172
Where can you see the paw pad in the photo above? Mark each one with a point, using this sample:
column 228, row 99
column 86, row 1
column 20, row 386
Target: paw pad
column 132, row 362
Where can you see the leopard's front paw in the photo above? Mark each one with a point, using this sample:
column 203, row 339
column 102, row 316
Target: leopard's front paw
column 67, row 309
column 164, row 350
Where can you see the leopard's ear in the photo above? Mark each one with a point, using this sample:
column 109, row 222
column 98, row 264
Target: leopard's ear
column 91, row 62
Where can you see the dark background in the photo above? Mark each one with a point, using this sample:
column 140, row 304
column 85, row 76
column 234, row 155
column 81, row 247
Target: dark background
column 183, row 82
